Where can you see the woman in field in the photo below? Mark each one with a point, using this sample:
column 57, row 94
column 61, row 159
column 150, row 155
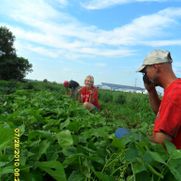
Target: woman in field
column 89, row 94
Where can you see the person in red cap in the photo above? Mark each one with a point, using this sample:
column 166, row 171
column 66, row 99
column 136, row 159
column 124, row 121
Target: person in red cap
column 157, row 69
column 71, row 88
column 89, row 94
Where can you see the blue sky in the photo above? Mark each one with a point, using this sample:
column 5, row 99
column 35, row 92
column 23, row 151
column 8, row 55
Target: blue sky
column 69, row 39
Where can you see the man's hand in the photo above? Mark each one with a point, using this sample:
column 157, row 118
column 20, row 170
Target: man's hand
column 149, row 86
column 160, row 137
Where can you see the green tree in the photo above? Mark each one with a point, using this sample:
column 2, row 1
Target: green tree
column 11, row 66
column 6, row 42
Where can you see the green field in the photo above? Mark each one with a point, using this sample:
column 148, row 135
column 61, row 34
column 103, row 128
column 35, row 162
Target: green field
column 48, row 136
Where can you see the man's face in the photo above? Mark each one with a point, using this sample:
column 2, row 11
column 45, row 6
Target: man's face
column 151, row 72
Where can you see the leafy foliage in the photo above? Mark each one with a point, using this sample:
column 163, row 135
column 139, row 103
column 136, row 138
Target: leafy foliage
column 106, row 97
column 62, row 141
column 120, row 99
column 6, row 42
column 11, row 66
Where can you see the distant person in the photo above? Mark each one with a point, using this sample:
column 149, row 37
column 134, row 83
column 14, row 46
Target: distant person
column 157, row 69
column 71, row 88
column 89, row 94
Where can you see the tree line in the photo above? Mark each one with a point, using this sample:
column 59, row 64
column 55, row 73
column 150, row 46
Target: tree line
column 12, row 67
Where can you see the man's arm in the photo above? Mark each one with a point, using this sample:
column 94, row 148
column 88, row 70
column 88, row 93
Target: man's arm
column 154, row 100
column 153, row 96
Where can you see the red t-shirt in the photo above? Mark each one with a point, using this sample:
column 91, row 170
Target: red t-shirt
column 85, row 94
column 168, row 119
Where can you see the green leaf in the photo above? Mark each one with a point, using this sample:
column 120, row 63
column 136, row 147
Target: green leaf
column 27, row 175
column 131, row 154
column 175, row 168
column 65, row 138
column 100, row 132
column 54, row 169
column 72, row 159
column 118, row 143
column 5, row 170
column 76, row 176
column 64, row 124
column 176, row 154
column 6, row 136
column 104, row 177
column 22, row 129
column 147, row 158
column 75, row 125
column 40, row 134
column 138, row 166
column 2, row 164
column 169, row 146
column 43, row 148
column 156, row 157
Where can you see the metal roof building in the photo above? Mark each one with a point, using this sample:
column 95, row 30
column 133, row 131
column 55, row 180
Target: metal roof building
column 122, row 87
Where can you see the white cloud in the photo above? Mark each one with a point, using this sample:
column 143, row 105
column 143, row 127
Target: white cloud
column 160, row 43
column 55, row 33
column 34, row 9
column 63, row 2
column 144, row 28
column 100, row 65
column 101, row 4
column 42, row 51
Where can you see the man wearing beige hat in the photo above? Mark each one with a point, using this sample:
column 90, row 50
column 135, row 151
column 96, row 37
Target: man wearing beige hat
column 157, row 69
